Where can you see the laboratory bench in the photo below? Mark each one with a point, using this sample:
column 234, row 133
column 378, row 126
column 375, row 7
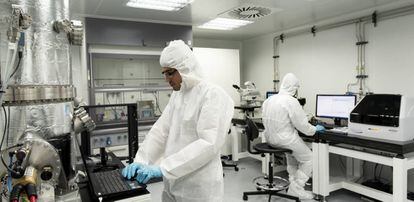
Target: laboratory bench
column 398, row 155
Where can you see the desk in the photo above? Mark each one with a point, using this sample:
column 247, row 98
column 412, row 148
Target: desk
column 396, row 157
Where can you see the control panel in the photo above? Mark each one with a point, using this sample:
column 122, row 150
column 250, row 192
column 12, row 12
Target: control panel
column 109, row 140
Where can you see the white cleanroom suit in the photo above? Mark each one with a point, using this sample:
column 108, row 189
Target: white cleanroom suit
column 186, row 140
column 282, row 118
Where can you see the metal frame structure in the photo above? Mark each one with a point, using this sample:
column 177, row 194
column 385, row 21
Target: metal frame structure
column 131, row 124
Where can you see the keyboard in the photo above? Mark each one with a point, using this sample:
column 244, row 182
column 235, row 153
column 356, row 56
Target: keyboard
column 340, row 129
column 110, row 182
column 328, row 126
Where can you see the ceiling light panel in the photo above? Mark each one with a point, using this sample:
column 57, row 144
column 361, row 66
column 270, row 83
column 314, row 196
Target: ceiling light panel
column 224, row 24
column 164, row 5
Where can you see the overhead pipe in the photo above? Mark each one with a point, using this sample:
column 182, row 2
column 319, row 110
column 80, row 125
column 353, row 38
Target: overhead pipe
column 385, row 15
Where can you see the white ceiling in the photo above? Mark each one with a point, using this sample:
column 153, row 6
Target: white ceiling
column 294, row 13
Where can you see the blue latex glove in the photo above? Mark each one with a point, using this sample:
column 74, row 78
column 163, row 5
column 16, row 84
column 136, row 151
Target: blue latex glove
column 148, row 172
column 130, row 171
column 320, row 128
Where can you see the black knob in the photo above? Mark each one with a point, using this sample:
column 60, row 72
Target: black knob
column 47, row 173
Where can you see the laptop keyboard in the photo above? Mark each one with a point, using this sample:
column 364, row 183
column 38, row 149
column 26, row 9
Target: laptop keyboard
column 111, row 182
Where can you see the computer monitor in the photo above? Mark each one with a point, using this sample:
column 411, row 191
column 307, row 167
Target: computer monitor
column 336, row 107
column 270, row 93
column 116, row 125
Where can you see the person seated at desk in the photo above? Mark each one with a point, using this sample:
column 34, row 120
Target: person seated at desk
column 184, row 144
column 282, row 116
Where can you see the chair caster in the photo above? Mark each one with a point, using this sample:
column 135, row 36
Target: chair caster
column 236, row 169
column 258, row 189
column 245, row 198
column 319, row 198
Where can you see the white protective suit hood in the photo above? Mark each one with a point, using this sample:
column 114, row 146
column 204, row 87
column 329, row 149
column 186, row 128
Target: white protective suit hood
column 290, row 85
column 179, row 56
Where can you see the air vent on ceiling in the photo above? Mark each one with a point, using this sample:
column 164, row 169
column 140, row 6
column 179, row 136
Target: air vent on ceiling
column 250, row 12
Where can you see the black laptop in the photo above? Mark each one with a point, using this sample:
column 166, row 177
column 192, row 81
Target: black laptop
column 109, row 184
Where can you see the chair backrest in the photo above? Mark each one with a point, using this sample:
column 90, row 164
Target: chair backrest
column 252, row 131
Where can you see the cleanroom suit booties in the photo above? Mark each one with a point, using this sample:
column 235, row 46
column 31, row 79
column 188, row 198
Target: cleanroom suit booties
column 282, row 117
column 186, row 140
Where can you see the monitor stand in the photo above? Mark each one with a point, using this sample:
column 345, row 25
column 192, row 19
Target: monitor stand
column 104, row 165
column 337, row 122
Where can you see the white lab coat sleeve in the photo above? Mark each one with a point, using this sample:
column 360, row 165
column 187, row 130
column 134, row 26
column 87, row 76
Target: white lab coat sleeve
column 212, row 127
column 153, row 146
column 299, row 120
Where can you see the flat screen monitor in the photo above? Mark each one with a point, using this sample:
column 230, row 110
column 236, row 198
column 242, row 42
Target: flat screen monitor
column 334, row 106
column 270, row 93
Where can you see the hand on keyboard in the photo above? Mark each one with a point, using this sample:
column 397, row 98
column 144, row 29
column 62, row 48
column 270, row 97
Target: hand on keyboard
column 131, row 170
column 148, row 172
column 319, row 128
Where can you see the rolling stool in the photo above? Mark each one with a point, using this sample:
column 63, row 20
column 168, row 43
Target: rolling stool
column 224, row 158
column 274, row 184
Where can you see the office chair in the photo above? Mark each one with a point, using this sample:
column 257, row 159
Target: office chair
column 274, row 184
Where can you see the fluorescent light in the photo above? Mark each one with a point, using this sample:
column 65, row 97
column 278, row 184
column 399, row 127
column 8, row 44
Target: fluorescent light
column 164, row 5
column 224, row 24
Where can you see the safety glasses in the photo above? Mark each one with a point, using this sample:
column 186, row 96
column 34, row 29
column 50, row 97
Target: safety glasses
column 169, row 73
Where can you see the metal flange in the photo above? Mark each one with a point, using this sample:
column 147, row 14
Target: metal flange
column 22, row 94
column 82, row 121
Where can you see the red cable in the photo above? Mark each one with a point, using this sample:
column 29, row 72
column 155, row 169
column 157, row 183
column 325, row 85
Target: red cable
column 32, row 198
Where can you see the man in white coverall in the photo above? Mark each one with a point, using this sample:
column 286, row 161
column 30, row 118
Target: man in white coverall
column 184, row 144
column 282, row 118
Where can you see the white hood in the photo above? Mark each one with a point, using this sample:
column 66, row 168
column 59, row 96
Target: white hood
column 290, row 84
column 179, row 56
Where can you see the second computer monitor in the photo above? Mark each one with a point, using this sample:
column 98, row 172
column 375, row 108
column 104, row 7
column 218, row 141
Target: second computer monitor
column 270, row 93
column 334, row 106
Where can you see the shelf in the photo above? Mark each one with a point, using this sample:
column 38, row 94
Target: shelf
column 131, row 89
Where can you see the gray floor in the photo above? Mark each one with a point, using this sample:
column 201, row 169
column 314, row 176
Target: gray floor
column 235, row 183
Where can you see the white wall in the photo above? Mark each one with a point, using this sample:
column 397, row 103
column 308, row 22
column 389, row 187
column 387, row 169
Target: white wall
column 326, row 63
column 221, row 67
column 215, row 43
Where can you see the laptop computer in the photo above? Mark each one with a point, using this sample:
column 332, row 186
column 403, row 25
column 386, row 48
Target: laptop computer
column 109, row 184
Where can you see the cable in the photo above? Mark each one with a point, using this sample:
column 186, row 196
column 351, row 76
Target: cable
column 2, row 159
column 8, row 126
column 362, row 176
column 342, row 165
column 113, row 108
column 5, row 127
column 379, row 175
column 17, row 66
column 157, row 104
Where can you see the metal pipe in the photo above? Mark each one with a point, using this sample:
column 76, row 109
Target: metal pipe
column 398, row 12
column 276, row 63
